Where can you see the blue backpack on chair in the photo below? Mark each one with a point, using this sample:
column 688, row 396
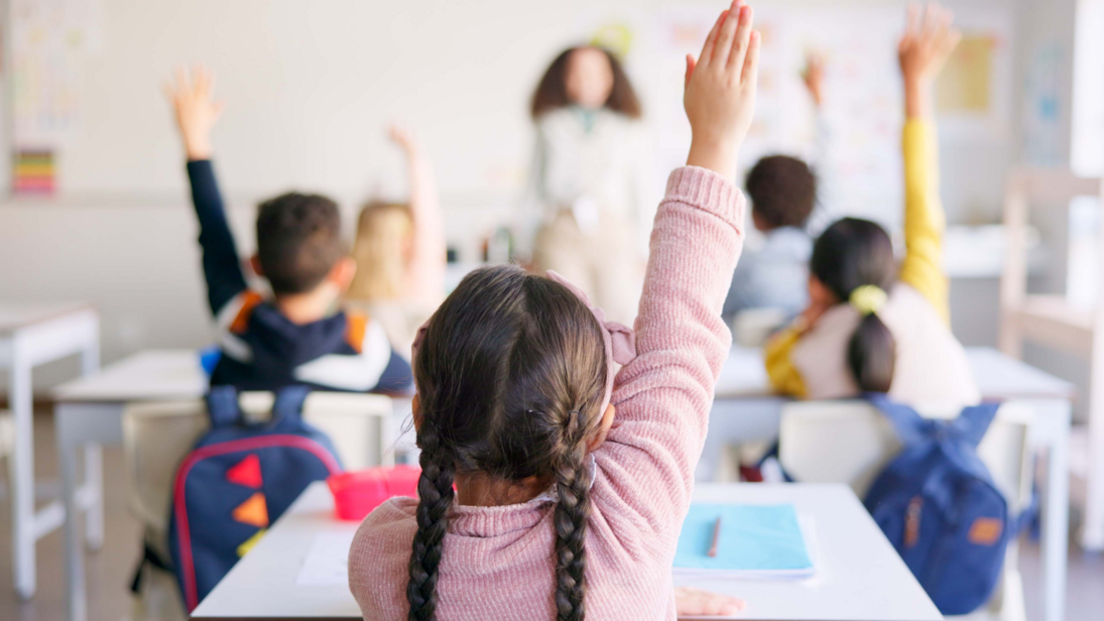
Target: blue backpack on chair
column 937, row 504
column 238, row 479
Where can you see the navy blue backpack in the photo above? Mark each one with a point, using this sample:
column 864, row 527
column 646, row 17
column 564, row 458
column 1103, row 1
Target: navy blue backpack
column 238, row 479
column 939, row 507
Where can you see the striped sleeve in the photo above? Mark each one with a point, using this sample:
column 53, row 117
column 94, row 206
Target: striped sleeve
column 372, row 364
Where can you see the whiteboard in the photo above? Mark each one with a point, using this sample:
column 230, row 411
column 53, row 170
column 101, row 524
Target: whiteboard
column 310, row 86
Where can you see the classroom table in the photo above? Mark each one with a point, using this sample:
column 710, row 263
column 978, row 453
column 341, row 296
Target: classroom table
column 745, row 411
column 858, row 576
column 90, row 411
column 31, row 335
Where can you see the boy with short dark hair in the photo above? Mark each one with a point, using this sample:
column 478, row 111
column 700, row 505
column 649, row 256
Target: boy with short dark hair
column 783, row 192
column 297, row 337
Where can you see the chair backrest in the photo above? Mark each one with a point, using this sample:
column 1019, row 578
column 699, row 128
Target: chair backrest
column 157, row 436
column 851, row 442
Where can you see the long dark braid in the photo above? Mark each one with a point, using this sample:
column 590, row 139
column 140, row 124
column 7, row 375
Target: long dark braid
column 570, row 518
column 435, row 493
column 510, row 376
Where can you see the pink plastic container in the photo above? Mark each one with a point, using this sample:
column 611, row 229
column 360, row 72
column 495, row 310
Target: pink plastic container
column 357, row 493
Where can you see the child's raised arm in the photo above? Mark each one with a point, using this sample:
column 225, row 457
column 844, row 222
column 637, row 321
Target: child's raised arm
column 924, row 49
column 428, row 253
column 663, row 396
column 196, row 113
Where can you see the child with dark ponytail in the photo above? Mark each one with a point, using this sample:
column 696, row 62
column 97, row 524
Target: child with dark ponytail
column 872, row 326
column 553, row 484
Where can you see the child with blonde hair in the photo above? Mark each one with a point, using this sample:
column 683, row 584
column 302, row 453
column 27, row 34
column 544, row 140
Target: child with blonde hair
column 400, row 253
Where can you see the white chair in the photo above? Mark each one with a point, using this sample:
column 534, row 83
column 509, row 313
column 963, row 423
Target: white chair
column 851, row 442
column 157, row 436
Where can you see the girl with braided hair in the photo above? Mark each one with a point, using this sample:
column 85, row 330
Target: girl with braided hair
column 550, row 488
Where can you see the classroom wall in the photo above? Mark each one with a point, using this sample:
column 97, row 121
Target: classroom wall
column 134, row 256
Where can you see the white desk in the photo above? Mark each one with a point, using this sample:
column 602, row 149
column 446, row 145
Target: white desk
column 89, row 412
column 31, row 335
column 859, row 575
column 746, row 411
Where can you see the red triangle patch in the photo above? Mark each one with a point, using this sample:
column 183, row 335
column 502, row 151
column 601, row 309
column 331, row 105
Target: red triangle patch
column 247, row 472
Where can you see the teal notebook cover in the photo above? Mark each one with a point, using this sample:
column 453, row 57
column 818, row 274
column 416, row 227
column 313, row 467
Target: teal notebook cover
column 753, row 538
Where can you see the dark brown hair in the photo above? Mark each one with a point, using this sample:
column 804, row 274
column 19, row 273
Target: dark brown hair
column 783, row 191
column 551, row 93
column 849, row 254
column 298, row 241
column 510, row 377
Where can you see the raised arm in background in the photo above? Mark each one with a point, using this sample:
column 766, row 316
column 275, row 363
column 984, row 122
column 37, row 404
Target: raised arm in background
column 428, row 254
column 924, row 49
column 196, row 114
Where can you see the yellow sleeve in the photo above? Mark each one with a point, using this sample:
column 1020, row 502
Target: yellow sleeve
column 784, row 377
column 924, row 218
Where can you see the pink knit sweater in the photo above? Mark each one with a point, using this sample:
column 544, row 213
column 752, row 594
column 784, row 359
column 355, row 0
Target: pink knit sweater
column 498, row 561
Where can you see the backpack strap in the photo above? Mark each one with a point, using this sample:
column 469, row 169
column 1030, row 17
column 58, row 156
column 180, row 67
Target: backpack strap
column 287, row 410
column 974, row 421
column 907, row 423
column 222, row 406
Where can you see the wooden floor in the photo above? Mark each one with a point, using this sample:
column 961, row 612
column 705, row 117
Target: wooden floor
column 109, row 571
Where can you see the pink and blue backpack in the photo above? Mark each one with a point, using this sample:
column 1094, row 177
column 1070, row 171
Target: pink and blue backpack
column 239, row 478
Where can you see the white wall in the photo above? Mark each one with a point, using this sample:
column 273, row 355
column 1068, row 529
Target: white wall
column 134, row 255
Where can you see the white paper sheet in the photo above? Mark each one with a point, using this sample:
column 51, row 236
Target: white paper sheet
column 327, row 560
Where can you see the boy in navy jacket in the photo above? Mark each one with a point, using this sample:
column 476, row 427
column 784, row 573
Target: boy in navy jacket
column 300, row 336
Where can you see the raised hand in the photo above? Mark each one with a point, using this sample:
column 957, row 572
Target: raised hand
column 923, row 50
column 195, row 108
column 720, row 90
column 813, row 76
column 404, row 139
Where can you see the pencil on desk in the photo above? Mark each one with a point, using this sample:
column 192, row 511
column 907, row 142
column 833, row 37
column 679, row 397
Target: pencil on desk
column 716, row 539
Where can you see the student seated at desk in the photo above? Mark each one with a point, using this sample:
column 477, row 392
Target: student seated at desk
column 400, row 253
column 785, row 192
column 550, row 490
column 297, row 337
column 872, row 326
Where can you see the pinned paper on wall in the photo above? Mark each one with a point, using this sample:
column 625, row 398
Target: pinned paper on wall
column 966, row 84
column 51, row 39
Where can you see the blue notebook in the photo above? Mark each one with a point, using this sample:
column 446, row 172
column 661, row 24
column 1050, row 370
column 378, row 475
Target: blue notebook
column 753, row 541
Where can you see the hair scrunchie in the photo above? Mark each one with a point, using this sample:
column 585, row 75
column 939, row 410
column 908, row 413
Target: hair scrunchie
column 868, row 299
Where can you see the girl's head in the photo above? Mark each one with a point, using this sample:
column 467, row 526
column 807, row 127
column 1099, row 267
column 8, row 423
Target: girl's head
column 513, row 376
column 585, row 76
column 853, row 259
column 382, row 250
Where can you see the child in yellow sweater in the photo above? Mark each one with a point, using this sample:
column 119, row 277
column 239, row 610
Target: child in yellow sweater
column 871, row 326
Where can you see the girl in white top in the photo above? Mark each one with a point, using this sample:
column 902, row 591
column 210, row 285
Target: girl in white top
column 587, row 216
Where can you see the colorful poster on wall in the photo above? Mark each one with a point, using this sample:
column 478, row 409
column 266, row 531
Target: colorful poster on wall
column 51, row 40
column 33, row 172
